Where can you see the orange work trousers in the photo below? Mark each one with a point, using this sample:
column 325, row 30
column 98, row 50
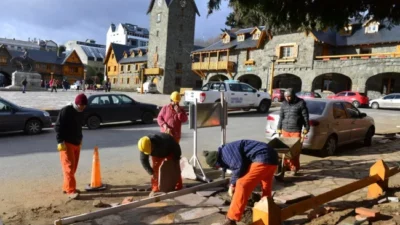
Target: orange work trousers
column 156, row 169
column 69, row 162
column 294, row 163
column 258, row 172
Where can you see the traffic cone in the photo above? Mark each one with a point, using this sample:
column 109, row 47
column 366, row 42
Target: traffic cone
column 95, row 184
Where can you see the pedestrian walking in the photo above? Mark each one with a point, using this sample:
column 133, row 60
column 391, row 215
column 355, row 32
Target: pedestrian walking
column 53, row 84
column 172, row 116
column 251, row 163
column 109, row 86
column 69, row 138
column 292, row 118
column 24, row 83
column 160, row 147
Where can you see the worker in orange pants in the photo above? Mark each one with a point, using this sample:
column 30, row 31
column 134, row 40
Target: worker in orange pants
column 251, row 162
column 160, row 147
column 292, row 118
column 68, row 128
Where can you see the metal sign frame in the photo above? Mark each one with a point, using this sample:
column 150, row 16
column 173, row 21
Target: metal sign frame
column 193, row 124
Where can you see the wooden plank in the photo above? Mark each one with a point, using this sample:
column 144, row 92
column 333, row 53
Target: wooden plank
column 132, row 205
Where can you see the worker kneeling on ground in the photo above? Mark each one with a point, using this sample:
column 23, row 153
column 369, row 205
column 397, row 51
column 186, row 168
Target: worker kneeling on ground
column 160, row 147
column 251, row 162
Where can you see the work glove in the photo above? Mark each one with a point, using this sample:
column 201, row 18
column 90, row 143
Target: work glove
column 305, row 131
column 61, row 147
column 231, row 190
column 279, row 131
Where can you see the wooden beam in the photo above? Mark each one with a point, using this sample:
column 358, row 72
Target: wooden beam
column 136, row 204
column 376, row 190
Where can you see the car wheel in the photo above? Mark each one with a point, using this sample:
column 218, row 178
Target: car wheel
column 33, row 126
column 356, row 104
column 147, row 117
column 329, row 147
column 368, row 136
column 375, row 105
column 276, row 100
column 93, row 122
column 264, row 106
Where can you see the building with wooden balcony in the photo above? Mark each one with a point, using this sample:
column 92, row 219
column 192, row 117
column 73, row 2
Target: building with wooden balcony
column 62, row 66
column 363, row 56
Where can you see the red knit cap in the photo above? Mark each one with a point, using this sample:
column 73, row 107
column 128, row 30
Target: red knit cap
column 81, row 99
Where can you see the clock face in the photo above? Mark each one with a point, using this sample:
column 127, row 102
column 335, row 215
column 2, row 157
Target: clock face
column 183, row 3
column 159, row 2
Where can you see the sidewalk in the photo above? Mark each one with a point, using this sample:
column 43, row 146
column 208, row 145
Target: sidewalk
column 316, row 178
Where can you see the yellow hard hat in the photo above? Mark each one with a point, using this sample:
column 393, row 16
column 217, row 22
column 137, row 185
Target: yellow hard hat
column 175, row 96
column 144, row 145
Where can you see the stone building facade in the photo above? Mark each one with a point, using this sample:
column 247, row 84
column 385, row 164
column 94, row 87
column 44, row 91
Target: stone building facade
column 362, row 57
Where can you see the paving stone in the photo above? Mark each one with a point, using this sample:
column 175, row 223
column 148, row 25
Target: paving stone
column 111, row 220
column 210, row 192
column 156, row 219
column 213, row 201
column 190, row 199
column 198, row 213
column 295, row 196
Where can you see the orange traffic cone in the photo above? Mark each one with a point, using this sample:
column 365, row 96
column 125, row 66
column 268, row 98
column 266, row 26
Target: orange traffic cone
column 95, row 184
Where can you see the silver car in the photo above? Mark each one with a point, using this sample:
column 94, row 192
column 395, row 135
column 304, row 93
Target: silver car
column 332, row 123
column 388, row 101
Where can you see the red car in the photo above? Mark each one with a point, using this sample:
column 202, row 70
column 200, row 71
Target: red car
column 356, row 98
column 278, row 94
column 307, row 95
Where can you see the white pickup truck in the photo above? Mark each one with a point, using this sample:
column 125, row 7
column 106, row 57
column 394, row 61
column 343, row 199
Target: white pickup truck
column 238, row 96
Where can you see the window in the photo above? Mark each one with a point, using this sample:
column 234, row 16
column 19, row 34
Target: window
column 137, row 80
column 159, row 17
column 351, row 94
column 116, row 100
column 122, row 68
column 351, row 110
column 4, row 107
column 136, row 67
column 240, row 37
column 341, row 94
column 102, row 100
column 316, row 108
column 235, row 87
column 112, row 56
column 178, row 81
column 129, row 67
column 127, row 80
column 73, row 69
column 109, row 68
column 256, row 35
column 3, row 60
column 157, row 33
column 114, row 80
column 115, row 68
column 338, row 111
column 179, row 66
column 216, row 87
column 226, row 39
column 246, row 88
column 389, row 97
column 126, row 99
column 156, row 49
column 397, row 97
column 287, row 51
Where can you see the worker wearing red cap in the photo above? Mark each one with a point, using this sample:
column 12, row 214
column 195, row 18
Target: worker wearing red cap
column 172, row 116
column 69, row 138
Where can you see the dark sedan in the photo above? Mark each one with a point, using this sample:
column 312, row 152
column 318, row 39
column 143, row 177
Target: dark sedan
column 16, row 118
column 111, row 108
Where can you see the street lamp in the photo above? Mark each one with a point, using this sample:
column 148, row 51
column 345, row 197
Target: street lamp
column 271, row 74
column 141, row 78
column 84, row 79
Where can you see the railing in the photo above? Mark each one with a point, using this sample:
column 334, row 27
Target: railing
column 266, row 212
column 222, row 65
column 153, row 71
column 359, row 56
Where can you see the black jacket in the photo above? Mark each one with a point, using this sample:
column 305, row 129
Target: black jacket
column 163, row 145
column 69, row 126
column 294, row 115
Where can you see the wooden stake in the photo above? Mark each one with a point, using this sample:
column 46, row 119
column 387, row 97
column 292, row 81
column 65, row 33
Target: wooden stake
column 381, row 169
column 266, row 212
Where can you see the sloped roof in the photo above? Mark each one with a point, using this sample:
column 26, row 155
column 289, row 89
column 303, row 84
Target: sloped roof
column 95, row 52
column 168, row 2
column 119, row 50
column 359, row 37
column 133, row 59
column 48, row 56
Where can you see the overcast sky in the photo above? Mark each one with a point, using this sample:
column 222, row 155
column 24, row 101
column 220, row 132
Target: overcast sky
column 63, row 20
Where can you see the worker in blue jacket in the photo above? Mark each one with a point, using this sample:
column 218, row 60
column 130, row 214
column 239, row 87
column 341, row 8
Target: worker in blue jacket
column 251, row 162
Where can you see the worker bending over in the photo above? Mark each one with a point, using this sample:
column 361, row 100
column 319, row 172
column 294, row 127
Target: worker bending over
column 160, row 147
column 251, row 162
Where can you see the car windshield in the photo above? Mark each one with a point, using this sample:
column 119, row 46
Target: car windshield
column 316, row 107
column 11, row 104
column 363, row 94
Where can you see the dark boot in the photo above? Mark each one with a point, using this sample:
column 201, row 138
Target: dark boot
column 229, row 222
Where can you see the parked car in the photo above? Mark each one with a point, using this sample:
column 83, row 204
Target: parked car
column 238, row 95
column 16, row 118
column 278, row 94
column 110, row 108
column 308, row 95
column 388, row 101
column 148, row 87
column 332, row 123
column 356, row 98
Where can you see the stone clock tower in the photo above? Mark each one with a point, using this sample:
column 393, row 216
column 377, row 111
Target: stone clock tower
column 172, row 27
